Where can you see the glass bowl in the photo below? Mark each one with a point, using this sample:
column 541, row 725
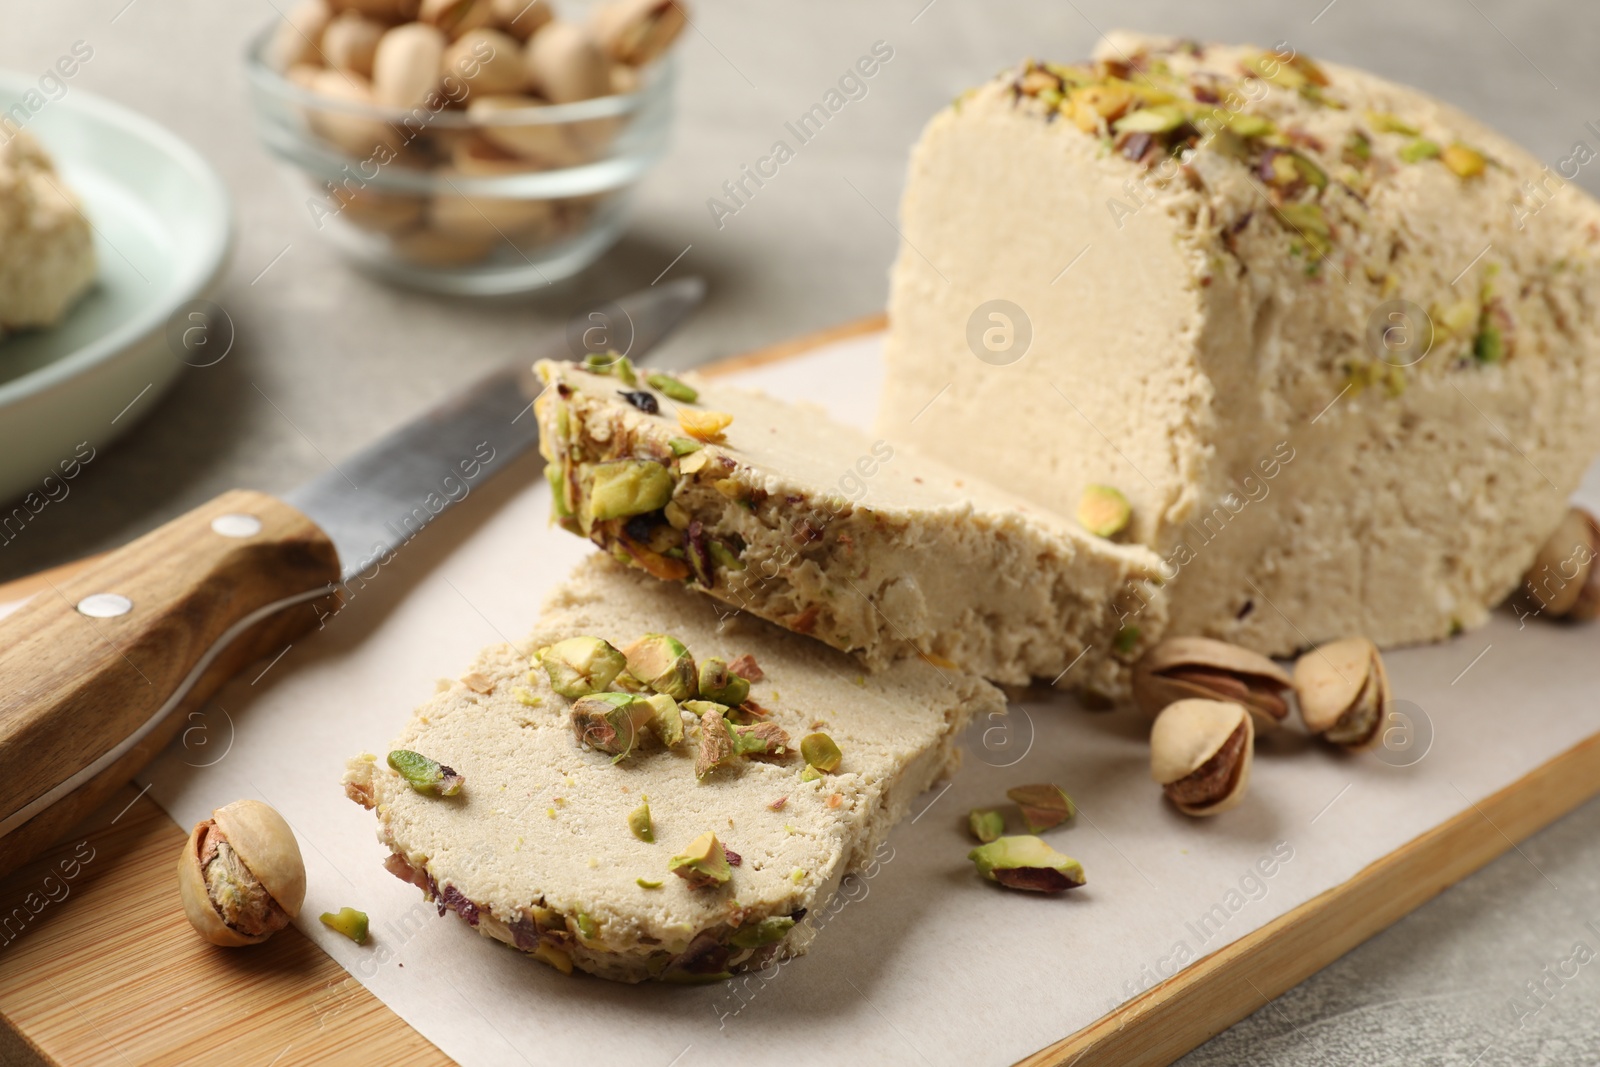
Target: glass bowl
column 494, row 201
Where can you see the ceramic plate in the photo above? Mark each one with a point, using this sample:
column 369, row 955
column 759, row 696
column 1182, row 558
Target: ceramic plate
column 163, row 230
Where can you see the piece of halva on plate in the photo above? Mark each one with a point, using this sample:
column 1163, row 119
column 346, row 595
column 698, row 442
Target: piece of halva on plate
column 628, row 792
column 861, row 543
column 1337, row 342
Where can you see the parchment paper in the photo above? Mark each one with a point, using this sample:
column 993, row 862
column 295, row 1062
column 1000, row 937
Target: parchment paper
column 921, row 963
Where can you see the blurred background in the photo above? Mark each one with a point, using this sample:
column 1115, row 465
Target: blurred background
column 344, row 356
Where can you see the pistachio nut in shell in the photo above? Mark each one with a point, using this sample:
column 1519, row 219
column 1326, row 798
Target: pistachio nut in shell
column 1200, row 754
column 1344, row 692
column 637, row 31
column 489, row 61
column 240, row 875
column 521, row 18
column 1027, row 863
column 1562, row 581
column 350, row 42
column 407, row 65
column 565, row 63
column 1181, row 668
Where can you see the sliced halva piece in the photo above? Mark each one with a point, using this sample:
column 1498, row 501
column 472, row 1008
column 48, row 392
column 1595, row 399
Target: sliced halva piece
column 858, row 542
column 536, row 848
column 1337, row 342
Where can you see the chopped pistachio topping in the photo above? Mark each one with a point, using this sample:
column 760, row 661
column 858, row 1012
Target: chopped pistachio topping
column 1418, row 150
column 677, row 390
column 1103, row 511
column 662, row 662
column 347, row 921
column 613, row 723
column 646, row 883
column 426, row 775
column 821, row 753
column 1386, row 122
column 1043, row 806
column 1027, row 863
column 579, row 666
column 1127, row 639
column 723, row 556
column 587, row 926
column 703, row 863
column 682, row 446
column 665, row 721
column 639, row 822
column 719, row 684
column 627, row 487
column 986, row 826
column 766, row 932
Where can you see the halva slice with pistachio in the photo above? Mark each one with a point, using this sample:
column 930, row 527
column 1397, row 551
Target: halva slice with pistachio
column 1335, row 342
column 584, row 835
column 783, row 513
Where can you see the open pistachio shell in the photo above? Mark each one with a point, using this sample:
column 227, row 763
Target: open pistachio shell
column 1343, row 691
column 1195, row 757
column 1562, row 574
column 1180, row 668
column 263, row 840
column 265, row 845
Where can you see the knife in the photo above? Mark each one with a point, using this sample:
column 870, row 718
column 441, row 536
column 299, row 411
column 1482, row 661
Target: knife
column 100, row 670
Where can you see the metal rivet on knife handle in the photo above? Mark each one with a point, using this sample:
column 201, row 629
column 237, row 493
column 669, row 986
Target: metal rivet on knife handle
column 104, row 605
column 236, row 524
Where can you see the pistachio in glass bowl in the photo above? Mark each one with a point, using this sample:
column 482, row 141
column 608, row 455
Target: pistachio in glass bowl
column 466, row 146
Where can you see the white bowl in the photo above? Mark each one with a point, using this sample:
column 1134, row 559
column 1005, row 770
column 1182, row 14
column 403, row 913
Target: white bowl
column 163, row 231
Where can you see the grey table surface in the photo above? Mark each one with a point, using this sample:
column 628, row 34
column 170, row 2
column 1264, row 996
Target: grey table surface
column 343, row 357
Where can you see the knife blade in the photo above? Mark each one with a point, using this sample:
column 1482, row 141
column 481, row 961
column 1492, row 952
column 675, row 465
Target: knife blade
column 378, row 499
column 99, row 671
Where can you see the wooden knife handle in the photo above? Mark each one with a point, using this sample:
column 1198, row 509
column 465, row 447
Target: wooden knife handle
column 97, row 672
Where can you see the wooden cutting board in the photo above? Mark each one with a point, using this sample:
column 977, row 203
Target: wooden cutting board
column 98, row 965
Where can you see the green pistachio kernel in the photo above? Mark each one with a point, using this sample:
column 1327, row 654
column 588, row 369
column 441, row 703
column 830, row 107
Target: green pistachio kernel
column 645, row 883
column 766, row 932
column 1127, row 639
column 1418, row 150
column 703, row 863
column 820, row 753
column 426, row 775
column 587, row 926
column 579, row 666
column 614, row 723
column 1104, row 511
column 349, row 922
column 639, row 822
column 672, row 387
column 723, row 556
column 718, row 684
column 1043, row 806
column 665, row 720
column 1027, row 863
column 664, row 664
column 682, row 446
column 986, row 826
column 626, row 487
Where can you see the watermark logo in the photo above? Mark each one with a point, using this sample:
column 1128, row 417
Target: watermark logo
column 999, row 332
column 1007, row 738
column 1406, row 735
column 603, row 328
column 1399, row 333
column 200, row 333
